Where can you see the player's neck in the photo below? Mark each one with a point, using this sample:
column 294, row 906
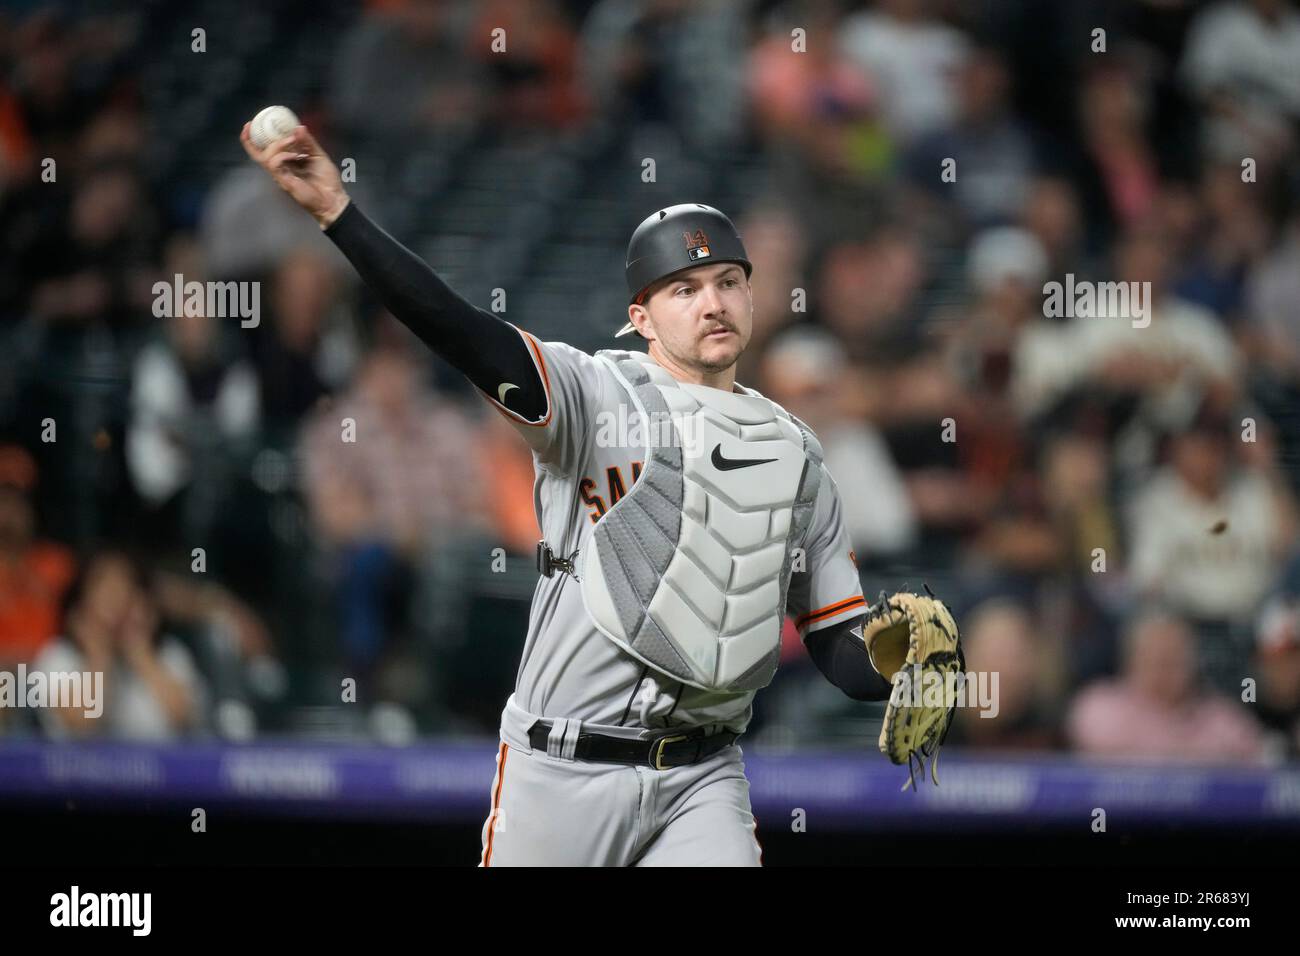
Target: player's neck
column 725, row 379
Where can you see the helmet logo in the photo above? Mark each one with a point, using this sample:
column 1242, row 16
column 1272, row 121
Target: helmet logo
column 697, row 245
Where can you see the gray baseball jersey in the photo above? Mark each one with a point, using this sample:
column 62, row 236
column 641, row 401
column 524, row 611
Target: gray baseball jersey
column 574, row 675
column 569, row 669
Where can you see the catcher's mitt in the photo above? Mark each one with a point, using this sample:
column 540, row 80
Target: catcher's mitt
column 913, row 640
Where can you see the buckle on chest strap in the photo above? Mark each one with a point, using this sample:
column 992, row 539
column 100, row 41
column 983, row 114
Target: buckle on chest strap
column 548, row 563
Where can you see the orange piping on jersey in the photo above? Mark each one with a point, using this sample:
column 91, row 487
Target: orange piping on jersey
column 831, row 610
column 546, row 387
column 504, row 750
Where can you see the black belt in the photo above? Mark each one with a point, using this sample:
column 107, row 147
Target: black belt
column 661, row 753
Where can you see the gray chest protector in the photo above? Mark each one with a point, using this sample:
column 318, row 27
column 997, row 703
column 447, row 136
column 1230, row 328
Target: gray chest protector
column 688, row 571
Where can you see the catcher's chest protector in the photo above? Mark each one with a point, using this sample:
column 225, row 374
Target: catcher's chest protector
column 688, row 571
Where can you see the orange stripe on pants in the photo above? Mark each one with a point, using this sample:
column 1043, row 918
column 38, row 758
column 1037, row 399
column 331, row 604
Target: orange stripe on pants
column 497, row 784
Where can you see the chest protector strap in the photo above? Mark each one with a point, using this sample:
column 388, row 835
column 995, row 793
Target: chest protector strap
column 689, row 570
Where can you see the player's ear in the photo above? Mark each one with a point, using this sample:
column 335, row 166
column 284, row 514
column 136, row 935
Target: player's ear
column 640, row 319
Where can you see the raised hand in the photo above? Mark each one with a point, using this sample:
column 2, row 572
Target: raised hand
column 302, row 169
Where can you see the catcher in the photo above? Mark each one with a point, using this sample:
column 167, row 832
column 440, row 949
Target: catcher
column 672, row 552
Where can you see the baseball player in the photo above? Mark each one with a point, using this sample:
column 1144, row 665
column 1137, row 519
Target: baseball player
column 683, row 517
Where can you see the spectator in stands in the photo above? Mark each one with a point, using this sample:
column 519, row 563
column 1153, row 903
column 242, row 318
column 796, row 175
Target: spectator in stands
column 1120, row 171
column 988, row 338
column 953, row 372
column 1271, row 333
column 89, row 267
column 866, row 295
column 1239, row 62
column 301, row 354
column 1158, row 349
column 72, row 236
column 804, row 371
column 1001, row 637
column 1274, row 322
column 666, row 65
column 115, row 134
column 248, row 225
column 52, row 105
column 410, row 449
column 1184, row 344
column 776, row 241
column 151, row 686
column 1231, row 233
column 915, row 58
column 810, row 97
column 994, row 346
column 510, row 501
column 1277, row 664
column 194, row 404
column 997, row 160
column 406, row 67
column 1051, row 215
column 34, row 573
column 1155, row 710
column 1074, row 474
column 818, row 119
column 536, row 83
column 1002, row 339
column 369, row 581
column 1209, row 528
column 390, row 471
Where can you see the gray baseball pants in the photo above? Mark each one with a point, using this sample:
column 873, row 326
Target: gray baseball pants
column 549, row 809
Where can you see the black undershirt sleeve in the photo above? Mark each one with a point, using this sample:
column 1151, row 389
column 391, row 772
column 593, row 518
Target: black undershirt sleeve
column 842, row 657
column 484, row 347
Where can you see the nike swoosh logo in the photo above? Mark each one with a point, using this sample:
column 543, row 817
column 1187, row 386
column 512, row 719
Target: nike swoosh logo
column 502, row 389
column 731, row 464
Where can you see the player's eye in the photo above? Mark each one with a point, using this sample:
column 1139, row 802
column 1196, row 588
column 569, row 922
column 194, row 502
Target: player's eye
column 731, row 283
column 684, row 288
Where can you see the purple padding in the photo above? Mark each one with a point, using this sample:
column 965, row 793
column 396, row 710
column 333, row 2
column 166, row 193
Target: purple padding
column 863, row 792
column 450, row 782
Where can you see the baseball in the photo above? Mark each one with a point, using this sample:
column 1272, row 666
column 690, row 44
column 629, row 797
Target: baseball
column 272, row 123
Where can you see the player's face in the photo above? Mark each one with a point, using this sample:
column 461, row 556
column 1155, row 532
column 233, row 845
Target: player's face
column 703, row 318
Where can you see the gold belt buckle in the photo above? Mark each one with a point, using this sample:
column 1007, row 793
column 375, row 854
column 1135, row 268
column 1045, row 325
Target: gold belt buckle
column 658, row 751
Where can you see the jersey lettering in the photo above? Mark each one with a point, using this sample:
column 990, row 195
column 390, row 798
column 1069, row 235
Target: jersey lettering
column 595, row 502
column 617, row 489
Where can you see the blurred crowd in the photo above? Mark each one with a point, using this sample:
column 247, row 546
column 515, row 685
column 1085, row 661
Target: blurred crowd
column 1110, row 507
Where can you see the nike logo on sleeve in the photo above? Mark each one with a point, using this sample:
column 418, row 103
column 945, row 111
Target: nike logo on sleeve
column 731, row 464
column 502, row 389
